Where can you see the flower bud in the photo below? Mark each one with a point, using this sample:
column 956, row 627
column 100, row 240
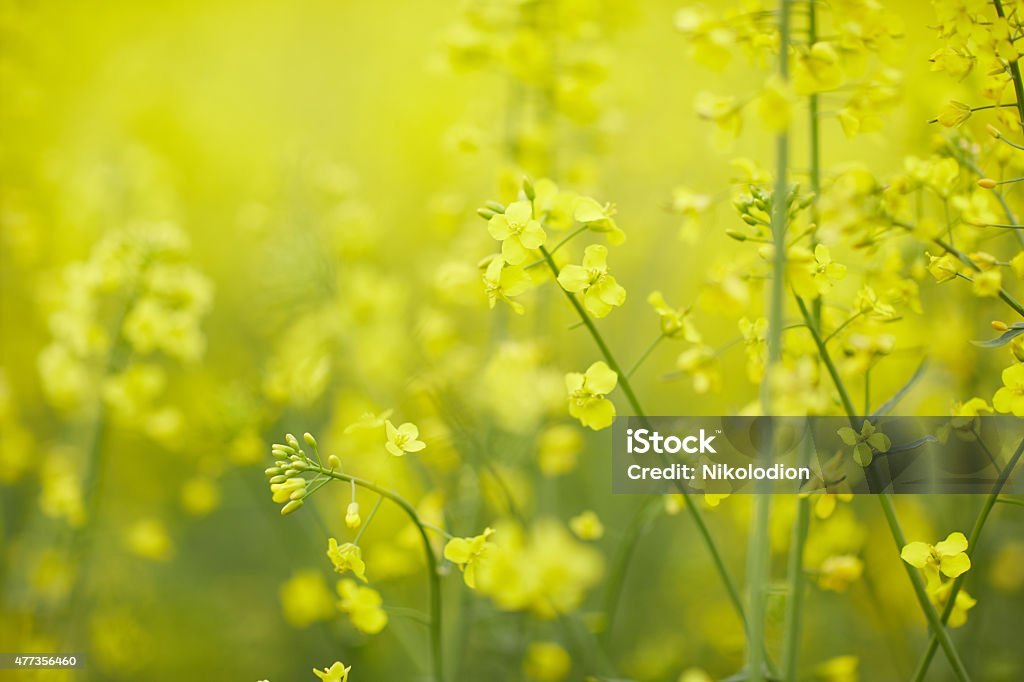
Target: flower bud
column 999, row 325
column 292, row 441
column 352, row 518
column 278, row 479
column 298, row 494
column 294, row 505
column 272, row 471
column 987, row 183
column 310, row 441
column 993, row 131
column 495, row 206
column 736, row 234
column 485, row 213
column 333, row 462
column 528, row 190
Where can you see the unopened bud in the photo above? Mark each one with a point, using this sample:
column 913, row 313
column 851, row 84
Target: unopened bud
column 278, row 479
column 485, row 213
column 495, row 206
column 294, row 505
column 987, row 183
column 310, row 441
column 999, row 325
column 333, row 462
column 736, row 234
column 993, row 131
column 272, row 471
column 292, row 441
column 298, row 494
column 352, row 518
column 528, row 190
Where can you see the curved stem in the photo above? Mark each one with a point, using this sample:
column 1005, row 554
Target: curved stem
column 428, row 550
column 646, row 353
column 972, row 544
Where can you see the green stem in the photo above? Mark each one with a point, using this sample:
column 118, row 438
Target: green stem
column 795, row 579
column 640, row 360
column 636, row 528
column 1018, row 85
column 627, row 389
column 433, row 576
column 889, row 512
column 972, row 546
column 369, row 518
column 1010, row 500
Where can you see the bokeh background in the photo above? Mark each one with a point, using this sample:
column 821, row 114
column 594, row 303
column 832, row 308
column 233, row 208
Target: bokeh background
column 324, row 161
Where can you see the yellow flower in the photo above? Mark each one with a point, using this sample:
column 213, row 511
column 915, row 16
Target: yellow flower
column 558, row 448
column 598, row 218
column 943, row 268
column 346, row 557
column 755, row 335
column 503, row 281
column 517, row 231
column 826, row 271
column 587, row 401
column 148, row 539
column 817, row 69
column 987, row 284
column 338, row 672
column 837, row 572
column 546, row 662
column 964, row 602
column 587, row 526
column 1010, row 398
column 402, row 439
column 600, row 291
column 467, row 552
column 948, row 557
column 774, row 105
column 363, row 606
column 674, row 321
column 701, row 363
column 838, row 669
column 953, row 114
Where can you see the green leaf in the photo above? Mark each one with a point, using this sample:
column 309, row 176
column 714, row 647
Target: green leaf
column 1009, row 335
column 880, row 442
column 862, row 454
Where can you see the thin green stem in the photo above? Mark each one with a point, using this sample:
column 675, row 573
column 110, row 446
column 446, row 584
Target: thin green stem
column 889, row 512
column 627, row 389
column 759, row 543
column 1010, row 500
column 795, row 578
column 369, row 518
column 640, row 360
column 434, row 578
column 636, row 528
column 1018, row 85
column 972, row 546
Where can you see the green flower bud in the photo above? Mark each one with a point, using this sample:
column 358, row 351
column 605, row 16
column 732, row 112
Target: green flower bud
column 310, row 441
column 333, row 463
column 279, row 479
column 294, row 505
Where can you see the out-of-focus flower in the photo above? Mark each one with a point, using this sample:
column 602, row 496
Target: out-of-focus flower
column 306, row 599
column 587, row 526
column 546, row 662
column 363, row 606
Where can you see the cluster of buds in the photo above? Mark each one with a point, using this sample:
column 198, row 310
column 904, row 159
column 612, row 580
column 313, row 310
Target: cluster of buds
column 287, row 486
column 756, row 206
